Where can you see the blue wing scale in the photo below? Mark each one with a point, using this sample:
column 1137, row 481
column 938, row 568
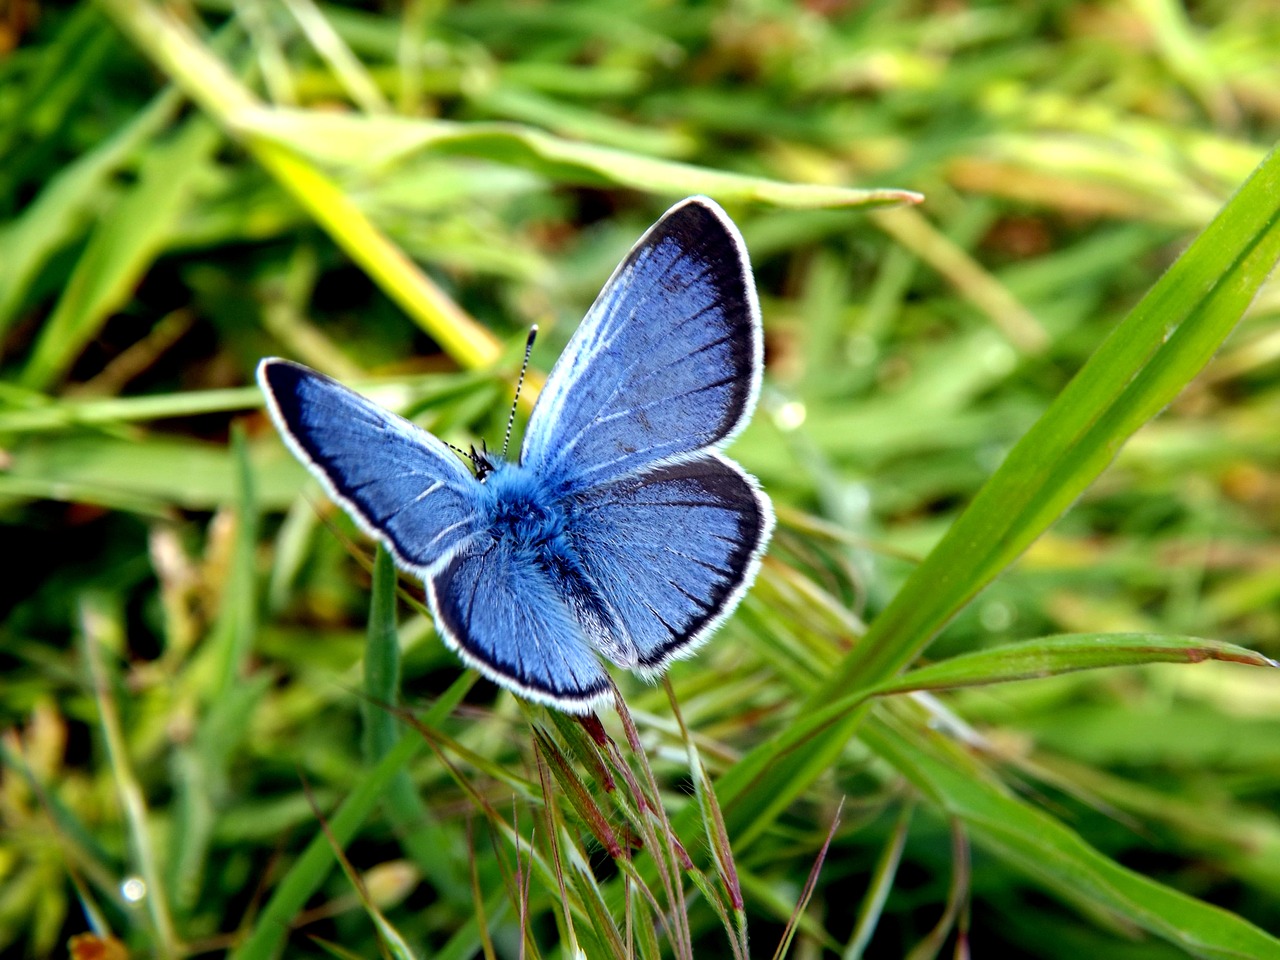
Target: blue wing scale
column 498, row 608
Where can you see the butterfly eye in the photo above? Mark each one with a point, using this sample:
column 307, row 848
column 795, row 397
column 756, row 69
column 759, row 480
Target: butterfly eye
column 481, row 463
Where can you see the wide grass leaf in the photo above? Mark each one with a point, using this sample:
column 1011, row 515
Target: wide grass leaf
column 148, row 475
column 1056, row 857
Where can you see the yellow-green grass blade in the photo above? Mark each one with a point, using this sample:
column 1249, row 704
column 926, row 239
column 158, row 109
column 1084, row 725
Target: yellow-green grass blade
column 121, row 249
column 364, row 141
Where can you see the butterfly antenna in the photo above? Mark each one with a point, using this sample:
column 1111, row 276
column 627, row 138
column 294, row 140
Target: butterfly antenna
column 528, row 349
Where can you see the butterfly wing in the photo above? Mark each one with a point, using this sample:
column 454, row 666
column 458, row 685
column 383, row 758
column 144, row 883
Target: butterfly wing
column 666, row 534
column 671, row 552
column 666, row 363
column 402, row 485
column 505, row 616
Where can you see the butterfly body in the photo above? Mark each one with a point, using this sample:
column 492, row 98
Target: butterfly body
column 520, row 508
column 621, row 530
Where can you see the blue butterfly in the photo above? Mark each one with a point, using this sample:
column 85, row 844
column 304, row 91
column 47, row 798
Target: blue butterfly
column 622, row 530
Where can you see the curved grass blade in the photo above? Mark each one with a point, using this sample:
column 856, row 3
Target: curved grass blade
column 343, row 139
column 1066, row 653
column 1056, row 857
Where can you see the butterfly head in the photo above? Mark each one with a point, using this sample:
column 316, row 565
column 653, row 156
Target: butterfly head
column 483, row 462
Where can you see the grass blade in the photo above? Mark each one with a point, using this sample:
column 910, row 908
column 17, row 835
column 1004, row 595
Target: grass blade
column 1139, row 369
column 1048, row 656
column 98, row 622
column 120, row 251
column 361, row 141
column 311, row 868
column 1163, row 343
column 1056, row 857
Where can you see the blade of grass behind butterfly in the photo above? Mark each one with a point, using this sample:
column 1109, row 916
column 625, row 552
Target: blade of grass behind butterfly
column 882, row 876
column 102, row 625
column 68, row 62
column 57, row 216
column 436, row 852
column 86, row 858
column 467, row 941
column 125, row 242
column 228, row 695
column 390, row 939
column 177, row 51
column 313, row 866
column 54, row 218
column 333, row 138
column 1164, row 341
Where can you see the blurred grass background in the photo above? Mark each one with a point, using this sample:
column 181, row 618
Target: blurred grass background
column 196, row 683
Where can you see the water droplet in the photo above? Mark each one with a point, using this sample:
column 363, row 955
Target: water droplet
column 997, row 615
column 790, row 415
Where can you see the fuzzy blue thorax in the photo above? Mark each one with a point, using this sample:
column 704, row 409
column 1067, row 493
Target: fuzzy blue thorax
column 521, row 509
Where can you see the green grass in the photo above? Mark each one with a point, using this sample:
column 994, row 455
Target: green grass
column 1005, row 681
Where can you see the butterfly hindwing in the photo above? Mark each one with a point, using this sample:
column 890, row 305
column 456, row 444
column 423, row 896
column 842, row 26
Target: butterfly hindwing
column 671, row 551
column 401, row 484
column 667, row 361
column 504, row 614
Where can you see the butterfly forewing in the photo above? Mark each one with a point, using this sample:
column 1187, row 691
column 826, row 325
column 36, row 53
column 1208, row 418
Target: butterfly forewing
column 401, row 484
column 666, row 362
